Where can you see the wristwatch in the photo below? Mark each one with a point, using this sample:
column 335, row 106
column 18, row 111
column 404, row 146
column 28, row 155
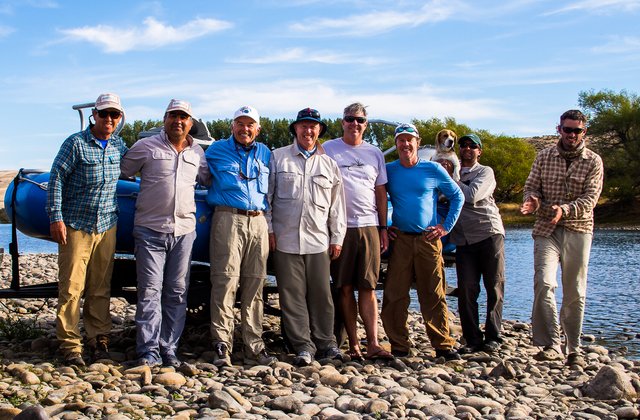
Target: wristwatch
column 565, row 212
column 382, row 227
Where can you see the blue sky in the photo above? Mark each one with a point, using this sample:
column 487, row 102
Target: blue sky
column 508, row 67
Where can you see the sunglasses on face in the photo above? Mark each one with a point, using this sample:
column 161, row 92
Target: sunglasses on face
column 405, row 129
column 113, row 114
column 351, row 118
column 569, row 130
column 469, row 145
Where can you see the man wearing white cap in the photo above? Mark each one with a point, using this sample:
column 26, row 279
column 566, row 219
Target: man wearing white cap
column 239, row 243
column 170, row 163
column 83, row 212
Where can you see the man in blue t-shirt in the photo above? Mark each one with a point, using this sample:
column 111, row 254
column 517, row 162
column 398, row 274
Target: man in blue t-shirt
column 413, row 185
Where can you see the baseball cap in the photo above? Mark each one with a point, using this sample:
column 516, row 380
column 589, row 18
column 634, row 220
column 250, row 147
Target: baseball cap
column 311, row 115
column 180, row 105
column 247, row 111
column 406, row 128
column 472, row 137
column 108, row 100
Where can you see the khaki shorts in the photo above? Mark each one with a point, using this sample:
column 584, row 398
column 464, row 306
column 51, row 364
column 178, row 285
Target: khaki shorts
column 359, row 261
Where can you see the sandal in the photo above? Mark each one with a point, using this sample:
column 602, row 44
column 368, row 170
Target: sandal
column 381, row 354
column 355, row 355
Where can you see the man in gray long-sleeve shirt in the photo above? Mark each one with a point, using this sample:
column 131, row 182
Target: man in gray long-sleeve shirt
column 164, row 230
column 479, row 237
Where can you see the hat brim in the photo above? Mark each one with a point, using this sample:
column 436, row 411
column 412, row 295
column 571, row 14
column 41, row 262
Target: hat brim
column 292, row 130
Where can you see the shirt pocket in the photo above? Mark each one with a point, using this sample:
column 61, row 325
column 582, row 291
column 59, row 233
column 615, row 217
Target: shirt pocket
column 289, row 185
column 263, row 178
column 163, row 163
column 229, row 177
column 189, row 170
column 321, row 191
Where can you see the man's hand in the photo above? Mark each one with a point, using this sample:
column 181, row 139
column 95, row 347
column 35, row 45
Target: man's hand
column 434, row 232
column 530, row 205
column 272, row 242
column 334, row 251
column 558, row 215
column 384, row 240
column 392, row 233
column 58, row 232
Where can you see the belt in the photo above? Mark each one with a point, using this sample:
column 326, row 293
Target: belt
column 411, row 233
column 248, row 213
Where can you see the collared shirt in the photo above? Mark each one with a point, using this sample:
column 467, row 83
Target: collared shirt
column 363, row 169
column 480, row 217
column 414, row 195
column 82, row 183
column 166, row 202
column 576, row 189
column 306, row 201
column 240, row 176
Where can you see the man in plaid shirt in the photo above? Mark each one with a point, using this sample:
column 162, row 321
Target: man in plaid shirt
column 562, row 189
column 82, row 209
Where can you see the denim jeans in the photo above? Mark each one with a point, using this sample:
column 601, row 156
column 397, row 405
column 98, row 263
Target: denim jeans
column 163, row 264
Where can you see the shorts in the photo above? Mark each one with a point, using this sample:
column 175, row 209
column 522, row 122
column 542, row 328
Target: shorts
column 359, row 261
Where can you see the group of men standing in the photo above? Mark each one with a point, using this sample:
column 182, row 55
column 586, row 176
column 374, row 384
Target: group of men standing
column 322, row 210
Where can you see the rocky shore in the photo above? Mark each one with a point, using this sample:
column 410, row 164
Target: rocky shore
column 506, row 384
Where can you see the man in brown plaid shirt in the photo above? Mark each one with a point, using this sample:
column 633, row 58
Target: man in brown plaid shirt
column 562, row 189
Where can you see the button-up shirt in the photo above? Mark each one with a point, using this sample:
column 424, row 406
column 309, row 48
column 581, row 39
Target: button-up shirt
column 166, row 202
column 480, row 217
column 306, row 201
column 576, row 189
column 82, row 183
column 240, row 175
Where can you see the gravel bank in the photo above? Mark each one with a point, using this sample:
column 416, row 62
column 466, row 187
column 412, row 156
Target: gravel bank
column 506, row 384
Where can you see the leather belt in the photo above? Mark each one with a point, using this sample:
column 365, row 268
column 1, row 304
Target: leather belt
column 411, row 233
column 248, row 213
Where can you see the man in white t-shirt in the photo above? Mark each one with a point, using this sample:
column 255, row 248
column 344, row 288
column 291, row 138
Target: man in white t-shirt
column 364, row 175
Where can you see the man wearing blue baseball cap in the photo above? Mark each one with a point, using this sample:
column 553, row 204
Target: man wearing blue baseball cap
column 239, row 242
column 307, row 224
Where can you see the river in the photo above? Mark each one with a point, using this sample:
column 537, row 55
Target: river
column 612, row 312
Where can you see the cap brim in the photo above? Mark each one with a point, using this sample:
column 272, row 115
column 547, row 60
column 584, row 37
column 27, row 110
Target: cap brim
column 292, row 130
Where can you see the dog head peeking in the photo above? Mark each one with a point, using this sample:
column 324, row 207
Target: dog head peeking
column 446, row 140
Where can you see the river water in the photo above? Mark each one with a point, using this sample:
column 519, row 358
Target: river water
column 612, row 312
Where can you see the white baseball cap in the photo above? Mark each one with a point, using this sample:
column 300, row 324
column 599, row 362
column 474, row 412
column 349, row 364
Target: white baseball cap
column 406, row 128
column 247, row 111
column 108, row 100
column 180, row 105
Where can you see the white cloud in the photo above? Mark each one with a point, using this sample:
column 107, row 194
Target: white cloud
column 301, row 55
column 619, row 45
column 598, row 6
column 376, row 22
column 153, row 34
column 5, row 31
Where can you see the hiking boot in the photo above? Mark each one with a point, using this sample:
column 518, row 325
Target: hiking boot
column 74, row 359
column 260, row 359
column 469, row 349
column 575, row 359
column 548, row 354
column 303, row 358
column 449, row 354
column 101, row 349
column 491, row 346
column 400, row 353
column 148, row 361
column 221, row 355
column 333, row 353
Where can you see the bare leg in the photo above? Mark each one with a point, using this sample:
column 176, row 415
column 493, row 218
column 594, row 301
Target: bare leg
column 368, row 305
column 350, row 313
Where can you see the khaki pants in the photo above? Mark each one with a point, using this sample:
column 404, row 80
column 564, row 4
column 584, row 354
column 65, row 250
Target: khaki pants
column 85, row 266
column 415, row 258
column 238, row 250
column 571, row 250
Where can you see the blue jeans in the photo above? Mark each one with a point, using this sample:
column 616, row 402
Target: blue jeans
column 163, row 264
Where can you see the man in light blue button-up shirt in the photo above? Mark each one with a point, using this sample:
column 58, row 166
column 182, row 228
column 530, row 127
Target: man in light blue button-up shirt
column 239, row 243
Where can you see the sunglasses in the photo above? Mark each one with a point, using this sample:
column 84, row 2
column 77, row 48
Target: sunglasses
column 469, row 145
column 113, row 114
column 351, row 118
column 569, row 130
column 405, row 129
column 249, row 178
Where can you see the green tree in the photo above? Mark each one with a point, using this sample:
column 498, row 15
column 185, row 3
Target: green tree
column 616, row 118
column 130, row 131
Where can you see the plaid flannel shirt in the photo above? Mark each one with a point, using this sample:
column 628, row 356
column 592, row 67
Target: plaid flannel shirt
column 82, row 183
column 576, row 189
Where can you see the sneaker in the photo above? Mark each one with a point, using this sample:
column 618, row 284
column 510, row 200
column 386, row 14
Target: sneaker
column 470, row 349
column 221, row 356
column 302, row 359
column 575, row 359
column 101, row 350
column 491, row 346
column 148, row 361
column 333, row 353
column 261, row 359
column 449, row 354
column 548, row 354
column 400, row 353
column 171, row 361
column 74, row 359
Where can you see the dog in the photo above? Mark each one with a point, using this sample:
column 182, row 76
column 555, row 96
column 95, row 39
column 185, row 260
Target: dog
column 445, row 152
